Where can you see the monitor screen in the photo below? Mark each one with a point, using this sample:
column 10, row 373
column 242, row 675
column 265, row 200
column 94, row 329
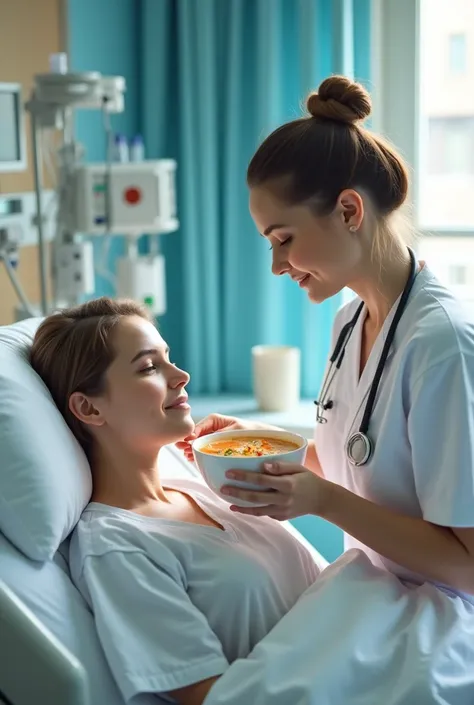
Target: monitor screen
column 11, row 128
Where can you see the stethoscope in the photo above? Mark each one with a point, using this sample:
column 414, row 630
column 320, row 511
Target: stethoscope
column 359, row 447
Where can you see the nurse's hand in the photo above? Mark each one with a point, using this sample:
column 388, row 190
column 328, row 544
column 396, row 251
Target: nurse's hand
column 218, row 422
column 291, row 491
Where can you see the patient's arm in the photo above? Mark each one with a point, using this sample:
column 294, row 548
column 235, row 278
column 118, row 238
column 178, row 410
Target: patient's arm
column 194, row 694
column 312, row 460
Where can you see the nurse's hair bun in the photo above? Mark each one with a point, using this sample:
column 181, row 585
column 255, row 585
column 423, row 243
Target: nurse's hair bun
column 341, row 100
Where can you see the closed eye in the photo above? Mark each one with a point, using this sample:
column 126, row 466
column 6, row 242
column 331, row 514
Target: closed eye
column 283, row 242
column 148, row 370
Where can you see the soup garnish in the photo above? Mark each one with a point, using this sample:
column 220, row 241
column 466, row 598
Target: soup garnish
column 245, row 447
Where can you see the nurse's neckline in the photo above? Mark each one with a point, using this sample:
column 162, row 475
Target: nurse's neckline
column 370, row 334
column 375, row 328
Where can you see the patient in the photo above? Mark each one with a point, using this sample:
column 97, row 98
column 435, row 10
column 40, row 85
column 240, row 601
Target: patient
column 179, row 585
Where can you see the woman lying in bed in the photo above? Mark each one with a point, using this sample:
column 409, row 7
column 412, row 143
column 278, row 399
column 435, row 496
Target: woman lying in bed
column 179, row 585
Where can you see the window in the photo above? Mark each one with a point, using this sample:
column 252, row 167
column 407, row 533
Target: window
column 446, row 116
column 424, row 102
column 451, row 141
column 457, row 53
column 458, row 274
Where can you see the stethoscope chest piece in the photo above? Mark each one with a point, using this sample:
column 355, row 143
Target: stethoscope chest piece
column 358, row 449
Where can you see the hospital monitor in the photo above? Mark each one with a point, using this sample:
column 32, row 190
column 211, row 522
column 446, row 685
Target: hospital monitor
column 12, row 135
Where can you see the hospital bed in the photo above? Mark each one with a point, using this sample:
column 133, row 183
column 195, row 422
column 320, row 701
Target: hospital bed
column 49, row 649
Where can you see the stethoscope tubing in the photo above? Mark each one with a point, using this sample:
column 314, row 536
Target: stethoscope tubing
column 324, row 403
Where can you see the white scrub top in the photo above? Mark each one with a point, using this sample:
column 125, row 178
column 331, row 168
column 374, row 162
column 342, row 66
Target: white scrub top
column 422, row 423
column 368, row 631
column 175, row 603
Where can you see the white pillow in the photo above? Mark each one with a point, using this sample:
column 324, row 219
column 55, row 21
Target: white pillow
column 45, row 480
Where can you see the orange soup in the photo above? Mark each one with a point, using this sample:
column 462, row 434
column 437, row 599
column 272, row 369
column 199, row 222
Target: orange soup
column 249, row 447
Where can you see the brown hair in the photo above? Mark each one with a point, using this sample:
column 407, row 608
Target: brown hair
column 318, row 156
column 72, row 350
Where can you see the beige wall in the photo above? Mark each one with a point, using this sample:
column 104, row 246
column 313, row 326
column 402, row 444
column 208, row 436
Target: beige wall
column 30, row 30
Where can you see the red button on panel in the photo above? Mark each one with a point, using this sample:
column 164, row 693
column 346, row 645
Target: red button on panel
column 132, row 195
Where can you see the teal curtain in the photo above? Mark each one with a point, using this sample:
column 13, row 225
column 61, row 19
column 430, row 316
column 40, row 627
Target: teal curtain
column 216, row 77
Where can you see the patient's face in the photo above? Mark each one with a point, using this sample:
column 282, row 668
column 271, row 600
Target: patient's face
column 145, row 403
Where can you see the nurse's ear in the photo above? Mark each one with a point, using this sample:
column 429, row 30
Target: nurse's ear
column 86, row 409
column 350, row 206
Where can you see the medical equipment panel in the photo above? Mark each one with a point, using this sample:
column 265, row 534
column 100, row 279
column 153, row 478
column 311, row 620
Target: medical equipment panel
column 74, row 262
column 18, row 218
column 99, row 199
column 12, row 135
column 144, row 279
column 126, row 199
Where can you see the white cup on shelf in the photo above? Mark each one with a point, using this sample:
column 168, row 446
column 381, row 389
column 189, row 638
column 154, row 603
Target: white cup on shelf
column 276, row 376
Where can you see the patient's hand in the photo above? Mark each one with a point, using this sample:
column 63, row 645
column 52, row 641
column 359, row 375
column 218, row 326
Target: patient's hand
column 218, row 422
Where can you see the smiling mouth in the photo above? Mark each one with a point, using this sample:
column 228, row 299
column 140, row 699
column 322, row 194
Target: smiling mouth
column 302, row 282
column 181, row 404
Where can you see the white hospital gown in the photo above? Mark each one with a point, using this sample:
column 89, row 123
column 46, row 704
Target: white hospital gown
column 369, row 631
column 175, row 603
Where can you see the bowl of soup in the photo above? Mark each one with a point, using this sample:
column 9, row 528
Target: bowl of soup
column 217, row 453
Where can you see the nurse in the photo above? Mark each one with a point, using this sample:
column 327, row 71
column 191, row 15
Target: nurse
column 392, row 462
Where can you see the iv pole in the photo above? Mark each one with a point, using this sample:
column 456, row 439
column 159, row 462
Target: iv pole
column 37, row 169
column 51, row 99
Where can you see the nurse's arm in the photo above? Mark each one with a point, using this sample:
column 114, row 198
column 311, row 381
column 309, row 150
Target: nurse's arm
column 440, row 553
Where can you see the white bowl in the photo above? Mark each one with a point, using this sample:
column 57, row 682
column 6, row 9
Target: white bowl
column 214, row 467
